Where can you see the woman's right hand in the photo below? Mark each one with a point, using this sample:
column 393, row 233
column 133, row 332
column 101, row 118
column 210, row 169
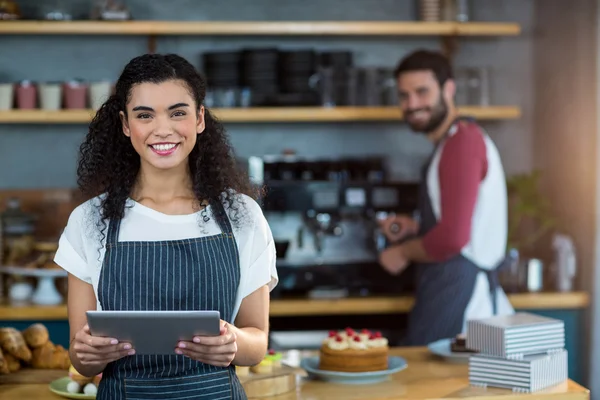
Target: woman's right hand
column 98, row 351
column 397, row 227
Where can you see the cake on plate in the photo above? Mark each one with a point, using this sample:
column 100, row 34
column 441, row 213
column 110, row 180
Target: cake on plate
column 353, row 351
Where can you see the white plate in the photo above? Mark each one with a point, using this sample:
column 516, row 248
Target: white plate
column 442, row 348
column 311, row 365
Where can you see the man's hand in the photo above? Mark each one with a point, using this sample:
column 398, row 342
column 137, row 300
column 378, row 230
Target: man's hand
column 393, row 260
column 397, row 227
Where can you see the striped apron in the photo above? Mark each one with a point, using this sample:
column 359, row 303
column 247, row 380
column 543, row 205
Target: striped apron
column 190, row 274
column 444, row 289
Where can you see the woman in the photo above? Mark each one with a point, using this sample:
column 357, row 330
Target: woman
column 171, row 227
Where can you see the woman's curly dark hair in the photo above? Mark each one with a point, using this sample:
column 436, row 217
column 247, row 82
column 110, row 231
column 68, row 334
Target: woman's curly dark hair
column 108, row 164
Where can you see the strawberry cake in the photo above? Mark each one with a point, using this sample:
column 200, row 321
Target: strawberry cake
column 354, row 351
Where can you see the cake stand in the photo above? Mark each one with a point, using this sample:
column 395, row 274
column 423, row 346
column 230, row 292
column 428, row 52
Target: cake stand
column 45, row 293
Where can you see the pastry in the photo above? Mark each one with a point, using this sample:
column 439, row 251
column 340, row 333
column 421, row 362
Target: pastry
column 351, row 351
column 4, row 368
column 12, row 342
column 13, row 363
column 82, row 384
column 264, row 367
column 459, row 344
column 36, row 335
column 50, row 356
column 275, row 357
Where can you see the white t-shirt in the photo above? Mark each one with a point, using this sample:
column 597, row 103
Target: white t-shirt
column 82, row 245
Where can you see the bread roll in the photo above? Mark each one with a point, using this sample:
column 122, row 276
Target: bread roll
column 36, row 335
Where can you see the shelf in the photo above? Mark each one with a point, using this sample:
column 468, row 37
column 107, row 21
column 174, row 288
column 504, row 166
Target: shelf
column 264, row 114
column 341, row 28
column 350, row 306
column 403, row 304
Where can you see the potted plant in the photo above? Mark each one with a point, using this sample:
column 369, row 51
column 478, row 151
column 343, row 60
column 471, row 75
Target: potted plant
column 529, row 221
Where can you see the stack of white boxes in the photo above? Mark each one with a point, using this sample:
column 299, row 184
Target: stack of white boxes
column 523, row 352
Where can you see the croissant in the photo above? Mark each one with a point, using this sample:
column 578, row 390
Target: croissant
column 11, row 340
column 36, row 335
column 50, row 356
column 60, row 358
column 12, row 362
column 3, row 364
column 42, row 356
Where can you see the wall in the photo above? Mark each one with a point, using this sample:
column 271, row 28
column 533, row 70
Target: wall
column 38, row 156
column 565, row 137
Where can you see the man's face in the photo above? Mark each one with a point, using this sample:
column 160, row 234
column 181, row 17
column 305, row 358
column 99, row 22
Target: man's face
column 422, row 100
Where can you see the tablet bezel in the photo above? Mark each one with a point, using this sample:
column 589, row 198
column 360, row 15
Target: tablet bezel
column 153, row 332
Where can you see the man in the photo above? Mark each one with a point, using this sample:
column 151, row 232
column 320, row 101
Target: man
column 459, row 239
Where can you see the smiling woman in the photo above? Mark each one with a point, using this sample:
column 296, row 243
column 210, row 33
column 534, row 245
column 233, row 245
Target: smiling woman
column 171, row 225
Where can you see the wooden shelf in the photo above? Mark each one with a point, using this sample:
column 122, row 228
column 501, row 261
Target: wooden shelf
column 350, row 306
column 335, row 28
column 403, row 304
column 264, row 114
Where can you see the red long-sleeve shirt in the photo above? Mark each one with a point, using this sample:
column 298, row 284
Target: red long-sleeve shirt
column 462, row 166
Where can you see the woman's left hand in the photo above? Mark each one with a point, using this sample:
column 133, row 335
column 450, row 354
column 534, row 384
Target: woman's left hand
column 214, row 350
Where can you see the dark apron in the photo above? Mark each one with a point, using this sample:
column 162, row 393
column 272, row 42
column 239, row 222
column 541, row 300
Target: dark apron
column 190, row 274
column 443, row 290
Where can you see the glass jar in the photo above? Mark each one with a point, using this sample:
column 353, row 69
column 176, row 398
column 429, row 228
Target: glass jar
column 18, row 230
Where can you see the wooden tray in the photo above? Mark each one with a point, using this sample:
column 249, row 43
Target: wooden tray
column 280, row 380
column 32, row 375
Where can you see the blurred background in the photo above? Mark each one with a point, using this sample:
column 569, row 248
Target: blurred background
column 311, row 109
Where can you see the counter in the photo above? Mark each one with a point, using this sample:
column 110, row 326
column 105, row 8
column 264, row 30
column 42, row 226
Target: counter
column 425, row 378
column 344, row 306
column 569, row 307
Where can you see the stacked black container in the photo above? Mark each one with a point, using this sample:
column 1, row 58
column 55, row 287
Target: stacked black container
column 259, row 70
column 222, row 69
column 271, row 77
column 296, row 68
column 344, row 89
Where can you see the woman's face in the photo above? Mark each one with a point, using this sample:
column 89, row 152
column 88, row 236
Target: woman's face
column 162, row 123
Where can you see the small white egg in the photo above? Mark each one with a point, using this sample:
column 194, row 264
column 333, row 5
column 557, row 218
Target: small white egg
column 90, row 389
column 73, row 387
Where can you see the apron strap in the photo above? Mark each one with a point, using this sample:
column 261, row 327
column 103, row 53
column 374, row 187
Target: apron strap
column 112, row 237
column 493, row 277
column 221, row 217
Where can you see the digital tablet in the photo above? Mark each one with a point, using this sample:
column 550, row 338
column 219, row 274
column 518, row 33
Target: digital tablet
column 154, row 332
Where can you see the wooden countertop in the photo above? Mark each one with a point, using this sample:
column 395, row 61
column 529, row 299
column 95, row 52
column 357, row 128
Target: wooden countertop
column 425, row 378
column 345, row 306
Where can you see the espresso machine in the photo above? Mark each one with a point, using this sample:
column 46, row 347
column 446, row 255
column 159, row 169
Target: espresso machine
column 323, row 215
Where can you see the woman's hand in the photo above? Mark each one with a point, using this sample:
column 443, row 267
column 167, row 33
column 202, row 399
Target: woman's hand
column 98, row 351
column 214, row 350
column 397, row 227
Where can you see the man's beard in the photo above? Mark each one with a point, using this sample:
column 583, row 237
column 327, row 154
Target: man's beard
column 438, row 114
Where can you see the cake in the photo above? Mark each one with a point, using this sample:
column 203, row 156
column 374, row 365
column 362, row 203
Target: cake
column 275, row 357
column 459, row 344
column 263, row 367
column 353, row 351
column 272, row 360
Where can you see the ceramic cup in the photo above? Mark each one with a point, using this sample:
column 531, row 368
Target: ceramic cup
column 6, row 96
column 75, row 94
column 99, row 93
column 26, row 95
column 50, row 96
